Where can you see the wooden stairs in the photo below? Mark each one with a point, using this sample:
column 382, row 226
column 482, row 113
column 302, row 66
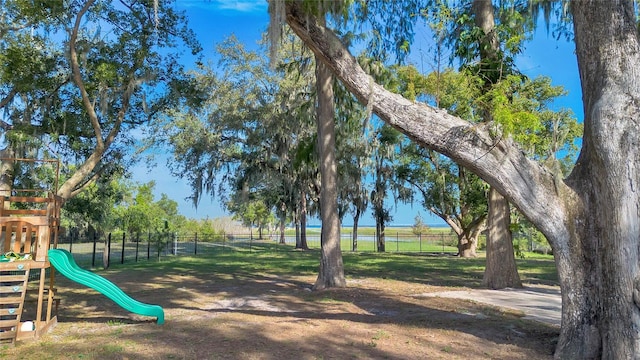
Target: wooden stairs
column 13, row 287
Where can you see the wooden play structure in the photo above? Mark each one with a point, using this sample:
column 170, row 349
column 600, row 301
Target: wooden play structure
column 29, row 223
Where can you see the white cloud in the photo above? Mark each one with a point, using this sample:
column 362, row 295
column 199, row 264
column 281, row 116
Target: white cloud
column 244, row 6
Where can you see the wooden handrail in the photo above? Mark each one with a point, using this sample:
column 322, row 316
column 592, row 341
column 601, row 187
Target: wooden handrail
column 36, row 212
column 33, row 199
column 33, row 220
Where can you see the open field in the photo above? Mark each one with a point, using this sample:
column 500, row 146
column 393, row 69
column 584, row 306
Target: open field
column 398, row 240
column 258, row 305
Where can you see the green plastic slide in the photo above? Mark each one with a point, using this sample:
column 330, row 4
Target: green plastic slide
column 63, row 261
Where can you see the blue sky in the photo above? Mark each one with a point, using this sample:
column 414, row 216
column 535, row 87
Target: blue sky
column 215, row 20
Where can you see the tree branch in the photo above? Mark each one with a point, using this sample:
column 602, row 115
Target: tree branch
column 78, row 189
column 77, row 76
column 527, row 184
column 7, row 99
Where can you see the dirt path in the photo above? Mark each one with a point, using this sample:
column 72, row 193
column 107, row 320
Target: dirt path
column 538, row 302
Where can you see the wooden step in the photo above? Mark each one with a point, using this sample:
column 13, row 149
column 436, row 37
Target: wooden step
column 12, row 296
column 8, row 311
column 12, row 278
column 12, row 289
column 8, row 323
column 11, row 300
column 8, row 335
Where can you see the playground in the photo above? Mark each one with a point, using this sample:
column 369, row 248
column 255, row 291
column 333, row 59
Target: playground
column 258, row 305
column 29, row 259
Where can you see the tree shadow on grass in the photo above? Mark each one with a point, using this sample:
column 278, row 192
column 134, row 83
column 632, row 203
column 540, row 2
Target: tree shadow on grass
column 341, row 323
column 196, row 296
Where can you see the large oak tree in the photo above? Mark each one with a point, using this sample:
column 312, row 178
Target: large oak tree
column 591, row 218
column 78, row 78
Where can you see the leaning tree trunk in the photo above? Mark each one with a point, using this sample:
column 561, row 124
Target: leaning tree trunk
column 500, row 271
column 331, row 267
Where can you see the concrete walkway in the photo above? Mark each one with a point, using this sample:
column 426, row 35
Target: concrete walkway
column 537, row 302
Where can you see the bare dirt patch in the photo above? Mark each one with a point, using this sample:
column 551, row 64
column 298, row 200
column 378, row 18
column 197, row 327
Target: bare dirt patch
column 274, row 317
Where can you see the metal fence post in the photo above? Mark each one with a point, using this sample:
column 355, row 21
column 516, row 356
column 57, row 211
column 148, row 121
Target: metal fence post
column 149, row 246
column 124, row 235
column 195, row 246
column 420, row 239
column 397, row 242
column 109, row 251
column 93, row 255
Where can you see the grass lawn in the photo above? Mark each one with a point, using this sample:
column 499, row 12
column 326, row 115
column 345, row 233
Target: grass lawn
column 258, row 304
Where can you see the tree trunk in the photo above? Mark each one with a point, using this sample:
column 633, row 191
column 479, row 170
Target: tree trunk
column 282, row 229
column 467, row 246
column 380, row 237
column 105, row 252
column 467, row 233
column 6, row 171
column 599, row 271
column 331, row 266
column 297, row 222
column 489, row 44
column 303, row 223
column 356, row 220
column 500, row 271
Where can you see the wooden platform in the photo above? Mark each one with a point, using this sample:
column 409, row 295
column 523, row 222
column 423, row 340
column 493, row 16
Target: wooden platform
column 27, row 232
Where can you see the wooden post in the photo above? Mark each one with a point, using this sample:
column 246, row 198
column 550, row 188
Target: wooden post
column 43, row 274
column 137, row 245
column 51, row 294
column 107, row 253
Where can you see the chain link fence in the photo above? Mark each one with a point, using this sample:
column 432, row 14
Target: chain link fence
column 102, row 250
